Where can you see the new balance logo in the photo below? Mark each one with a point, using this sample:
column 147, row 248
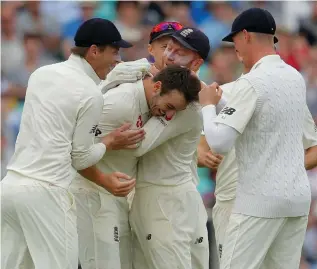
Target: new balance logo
column 227, row 110
column 186, row 32
column 199, row 240
column 95, row 130
column 116, row 234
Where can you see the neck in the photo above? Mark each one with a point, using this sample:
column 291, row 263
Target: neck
column 260, row 52
column 148, row 89
column 96, row 69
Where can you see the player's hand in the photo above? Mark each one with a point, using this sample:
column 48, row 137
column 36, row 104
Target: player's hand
column 123, row 138
column 210, row 95
column 209, row 159
column 118, row 184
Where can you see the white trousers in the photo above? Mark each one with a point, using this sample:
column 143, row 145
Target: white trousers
column 220, row 217
column 169, row 228
column 103, row 229
column 253, row 243
column 38, row 225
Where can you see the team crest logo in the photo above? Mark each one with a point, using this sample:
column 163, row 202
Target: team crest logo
column 139, row 122
column 186, row 32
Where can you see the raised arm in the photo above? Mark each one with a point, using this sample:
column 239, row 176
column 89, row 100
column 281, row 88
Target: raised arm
column 158, row 129
column 222, row 131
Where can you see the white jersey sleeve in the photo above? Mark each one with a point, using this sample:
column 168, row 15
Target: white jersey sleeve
column 159, row 129
column 220, row 137
column 84, row 152
column 240, row 107
column 310, row 131
column 118, row 108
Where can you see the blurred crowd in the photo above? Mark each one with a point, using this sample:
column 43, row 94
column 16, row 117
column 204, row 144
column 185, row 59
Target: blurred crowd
column 37, row 33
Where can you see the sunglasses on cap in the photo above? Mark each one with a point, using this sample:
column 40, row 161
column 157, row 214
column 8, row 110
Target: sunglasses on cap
column 163, row 26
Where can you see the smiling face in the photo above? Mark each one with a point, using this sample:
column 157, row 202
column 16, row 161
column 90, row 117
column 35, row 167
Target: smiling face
column 166, row 104
column 171, row 90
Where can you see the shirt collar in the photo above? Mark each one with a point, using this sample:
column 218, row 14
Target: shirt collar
column 84, row 66
column 274, row 58
column 141, row 96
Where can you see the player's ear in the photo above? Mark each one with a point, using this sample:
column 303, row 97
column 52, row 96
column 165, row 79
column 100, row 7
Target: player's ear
column 196, row 64
column 157, row 87
column 150, row 49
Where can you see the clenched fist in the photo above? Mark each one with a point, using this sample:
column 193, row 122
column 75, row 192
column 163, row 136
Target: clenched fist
column 210, row 94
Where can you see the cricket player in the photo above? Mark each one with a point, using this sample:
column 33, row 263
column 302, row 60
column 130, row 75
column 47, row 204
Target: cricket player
column 165, row 233
column 62, row 108
column 264, row 119
column 159, row 38
column 102, row 217
column 227, row 173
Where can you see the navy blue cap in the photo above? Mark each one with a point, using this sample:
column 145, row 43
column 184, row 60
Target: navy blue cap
column 255, row 20
column 99, row 32
column 193, row 39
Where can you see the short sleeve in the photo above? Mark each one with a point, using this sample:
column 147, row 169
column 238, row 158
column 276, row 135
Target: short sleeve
column 240, row 107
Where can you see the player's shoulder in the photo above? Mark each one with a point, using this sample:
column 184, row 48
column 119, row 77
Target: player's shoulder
column 191, row 115
column 121, row 99
column 124, row 94
column 228, row 87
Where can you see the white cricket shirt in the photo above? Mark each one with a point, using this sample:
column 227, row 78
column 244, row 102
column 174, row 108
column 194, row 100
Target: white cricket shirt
column 267, row 108
column 62, row 109
column 228, row 173
column 125, row 103
column 170, row 149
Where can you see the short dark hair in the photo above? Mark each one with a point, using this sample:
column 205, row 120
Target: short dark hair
column 174, row 77
column 82, row 51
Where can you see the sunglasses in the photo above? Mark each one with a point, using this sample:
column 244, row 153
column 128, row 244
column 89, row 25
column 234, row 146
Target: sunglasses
column 166, row 26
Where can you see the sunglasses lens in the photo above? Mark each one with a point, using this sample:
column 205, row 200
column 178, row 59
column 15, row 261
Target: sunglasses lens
column 167, row 25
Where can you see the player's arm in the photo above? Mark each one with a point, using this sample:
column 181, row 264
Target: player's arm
column 206, row 158
column 158, row 130
column 222, row 131
column 310, row 141
column 85, row 153
column 125, row 72
column 115, row 122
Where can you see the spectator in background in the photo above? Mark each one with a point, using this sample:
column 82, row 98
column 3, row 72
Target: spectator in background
column 308, row 26
column 129, row 18
column 87, row 9
column 219, row 22
column 179, row 11
column 222, row 68
column 35, row 57
column 11, row 47
column 31, row 20
column 17, row 83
